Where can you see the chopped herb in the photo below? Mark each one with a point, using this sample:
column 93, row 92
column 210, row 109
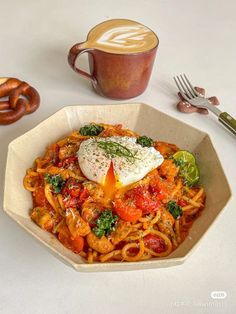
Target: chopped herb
column 91, row 130
column 115, row 149
column 174, row 209
column 55, row 181
column 105, row 224
column 145, row 141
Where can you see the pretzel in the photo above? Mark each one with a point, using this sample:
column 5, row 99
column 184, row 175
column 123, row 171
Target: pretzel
column 22, row 99
column 186, row 107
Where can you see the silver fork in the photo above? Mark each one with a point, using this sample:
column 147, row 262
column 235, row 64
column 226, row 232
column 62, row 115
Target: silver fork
column 189, row 93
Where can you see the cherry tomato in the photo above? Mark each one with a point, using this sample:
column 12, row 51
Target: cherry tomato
column 133, row 250
column 84, row 195
column 155, row 190
column 72, row 188
column 146, row 205
column 154, row 243
column 143, row 199
column 127, row 210
column 70, row 202
column 158, row 188
column 39, row 196
column 74, row 194
column 76, row 244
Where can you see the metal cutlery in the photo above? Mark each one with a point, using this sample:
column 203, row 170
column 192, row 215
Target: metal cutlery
column 190, row 94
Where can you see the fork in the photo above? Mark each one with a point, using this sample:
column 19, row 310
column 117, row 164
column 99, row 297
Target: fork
column 190, row 94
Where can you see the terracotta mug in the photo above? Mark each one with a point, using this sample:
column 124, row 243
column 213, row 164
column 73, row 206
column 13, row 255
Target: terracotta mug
column 121, row 56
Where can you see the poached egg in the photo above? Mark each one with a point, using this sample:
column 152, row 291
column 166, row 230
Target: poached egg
column 117, row 161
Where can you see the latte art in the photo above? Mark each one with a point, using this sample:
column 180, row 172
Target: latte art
column 124, row 37
column 121, row 36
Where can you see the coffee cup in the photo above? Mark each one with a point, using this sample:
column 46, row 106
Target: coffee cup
column 121, row 55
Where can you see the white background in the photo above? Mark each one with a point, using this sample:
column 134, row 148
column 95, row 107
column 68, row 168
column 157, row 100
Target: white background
column 196, row 37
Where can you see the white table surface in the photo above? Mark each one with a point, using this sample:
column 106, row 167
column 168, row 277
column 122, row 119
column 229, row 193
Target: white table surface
column 196, row 37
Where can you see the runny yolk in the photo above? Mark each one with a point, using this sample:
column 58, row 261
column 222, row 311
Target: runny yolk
column 110, row 185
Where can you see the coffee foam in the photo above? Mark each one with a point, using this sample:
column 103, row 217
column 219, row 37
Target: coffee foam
column 121, row 36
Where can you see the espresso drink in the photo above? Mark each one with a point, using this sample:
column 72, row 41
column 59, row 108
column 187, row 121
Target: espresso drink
column 121, row 36
column 121, row 55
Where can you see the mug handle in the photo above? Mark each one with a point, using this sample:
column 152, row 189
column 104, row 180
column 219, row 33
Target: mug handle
column 74, row 53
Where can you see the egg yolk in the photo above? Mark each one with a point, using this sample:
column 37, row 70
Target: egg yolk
column 110, row 185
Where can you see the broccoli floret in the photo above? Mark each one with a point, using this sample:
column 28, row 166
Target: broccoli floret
column 174, row 209
column 91, row 130
column 145, row 141
column 105, row 224
column 55, row 181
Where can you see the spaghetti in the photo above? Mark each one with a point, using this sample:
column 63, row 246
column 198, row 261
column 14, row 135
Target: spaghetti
column 144, row 220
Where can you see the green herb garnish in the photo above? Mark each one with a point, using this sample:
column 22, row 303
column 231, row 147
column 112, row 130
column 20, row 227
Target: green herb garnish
column 55, row 181
column 145, row 141
column 115, row 149
column 105, row 224
column 91, row 130
column 174, row 209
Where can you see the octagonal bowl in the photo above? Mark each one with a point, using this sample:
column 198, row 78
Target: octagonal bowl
column 142, row 119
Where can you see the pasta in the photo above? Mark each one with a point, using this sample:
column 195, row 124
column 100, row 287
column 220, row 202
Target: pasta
column 147, row 219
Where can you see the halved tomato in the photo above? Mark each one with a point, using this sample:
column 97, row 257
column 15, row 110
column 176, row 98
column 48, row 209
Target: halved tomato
column 143, row 199
column 127, row 210
column 154, row 243
column 74, row 193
